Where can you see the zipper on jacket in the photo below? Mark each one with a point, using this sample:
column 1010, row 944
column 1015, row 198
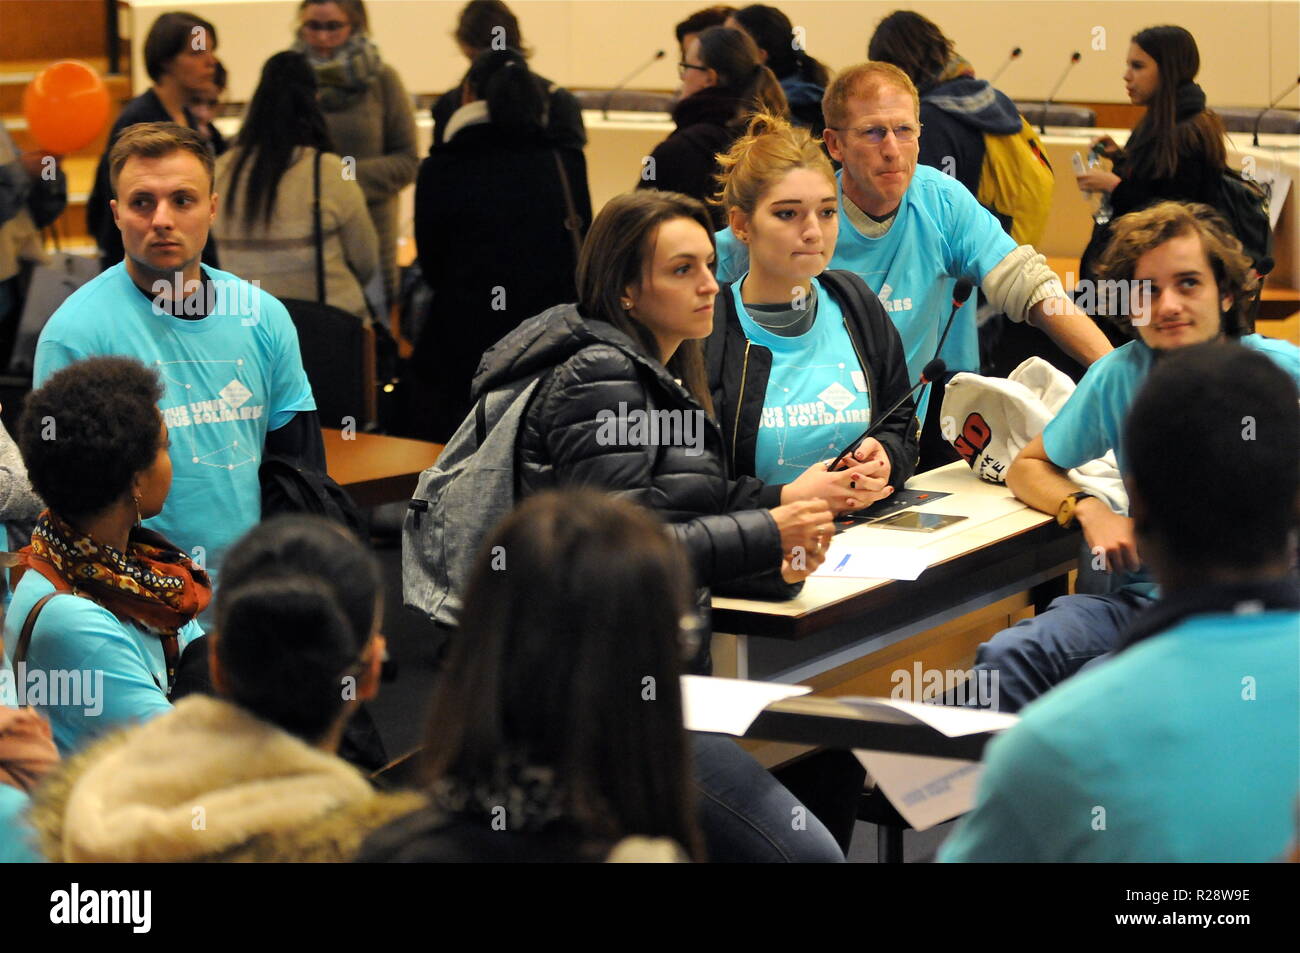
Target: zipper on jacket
column 866, row 371
column 740, row 403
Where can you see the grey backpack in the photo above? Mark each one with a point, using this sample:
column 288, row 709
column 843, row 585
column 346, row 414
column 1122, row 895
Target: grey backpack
column 460, row 499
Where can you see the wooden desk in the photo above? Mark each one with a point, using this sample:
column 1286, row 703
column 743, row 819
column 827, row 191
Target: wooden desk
column 1008, row 548
column 377, row 469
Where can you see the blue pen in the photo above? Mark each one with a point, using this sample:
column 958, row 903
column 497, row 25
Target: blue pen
column 847, row 557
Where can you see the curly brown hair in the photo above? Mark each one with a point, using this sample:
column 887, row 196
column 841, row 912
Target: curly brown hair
column 1135, row 234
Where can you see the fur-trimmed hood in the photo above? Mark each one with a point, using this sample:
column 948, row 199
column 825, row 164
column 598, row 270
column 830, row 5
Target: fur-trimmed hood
column 208, row 782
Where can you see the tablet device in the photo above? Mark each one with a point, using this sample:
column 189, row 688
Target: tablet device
column 916, row 521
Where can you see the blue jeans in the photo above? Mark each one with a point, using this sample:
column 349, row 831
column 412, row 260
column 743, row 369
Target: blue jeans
column 746, row 815
column 1036, row 654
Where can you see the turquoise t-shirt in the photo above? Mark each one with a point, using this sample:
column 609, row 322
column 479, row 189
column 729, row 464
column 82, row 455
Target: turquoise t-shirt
column 1185, row 747
column 17, row 839
column 817, row 397
column 1091, row 422
column 95, row 672
column 940, row 234
column 230, row 378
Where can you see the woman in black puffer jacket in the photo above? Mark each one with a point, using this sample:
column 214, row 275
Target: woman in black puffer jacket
column 622, row 405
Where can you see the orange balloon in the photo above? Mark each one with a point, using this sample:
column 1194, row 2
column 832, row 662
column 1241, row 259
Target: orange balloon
column 66, row 106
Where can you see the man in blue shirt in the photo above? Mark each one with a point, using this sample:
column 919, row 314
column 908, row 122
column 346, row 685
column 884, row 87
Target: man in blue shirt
column 227, row 352
column 1189, row 281
column 911, row 232
column 1186, row 745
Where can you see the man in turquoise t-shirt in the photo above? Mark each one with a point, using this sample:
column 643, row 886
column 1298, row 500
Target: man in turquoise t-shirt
column 226, row 351
column 1170, row 254
column 911, row 232
column 1186, row 745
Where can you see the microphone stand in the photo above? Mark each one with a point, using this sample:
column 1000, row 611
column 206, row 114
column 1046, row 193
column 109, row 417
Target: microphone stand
column 609, row 97
column 1260, row 118
column 1042, row 124
column 1015, row 54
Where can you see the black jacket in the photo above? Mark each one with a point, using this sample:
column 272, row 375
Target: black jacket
column 489, row 229
column 738, row 371
column 146, row 107
column 563, row 122
column 429, row 836
column 684, row 162
column 594, row 375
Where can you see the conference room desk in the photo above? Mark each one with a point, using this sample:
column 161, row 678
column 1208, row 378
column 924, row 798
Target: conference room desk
column 374, row 468
column 1004, row 548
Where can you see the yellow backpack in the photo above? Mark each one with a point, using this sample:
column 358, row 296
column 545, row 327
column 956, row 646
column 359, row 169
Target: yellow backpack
column 1016, row 183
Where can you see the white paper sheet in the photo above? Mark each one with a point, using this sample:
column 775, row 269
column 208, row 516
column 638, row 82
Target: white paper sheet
column 729, row 705
column 853, row 559
column 926, row 791
column 951, row 721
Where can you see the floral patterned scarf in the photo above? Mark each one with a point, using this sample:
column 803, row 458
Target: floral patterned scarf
column 153, row 583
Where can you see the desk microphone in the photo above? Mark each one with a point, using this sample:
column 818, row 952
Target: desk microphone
column 1015, row 55
column 1260, row 117
column 1042, row 123
column 932, row 372
column 609, row 98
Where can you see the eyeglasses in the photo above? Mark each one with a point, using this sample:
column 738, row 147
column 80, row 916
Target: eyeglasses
column 876, row 134
column 324, row 26
column 683, row 67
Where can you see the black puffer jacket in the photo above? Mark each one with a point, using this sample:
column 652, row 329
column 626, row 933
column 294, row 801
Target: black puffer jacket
column 571, row 434
column 738, row 371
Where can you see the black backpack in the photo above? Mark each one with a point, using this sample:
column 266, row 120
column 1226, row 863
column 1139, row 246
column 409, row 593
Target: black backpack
column 1244, row 203
column 290, row 488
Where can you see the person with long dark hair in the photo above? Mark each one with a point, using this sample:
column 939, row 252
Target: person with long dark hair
column 268, row 183
column 251, row 774
column 723, row 81
column 803, row 79
column 627, row 353
column 1175, row 152
column 367, row 112
column 494, row 231
column 556, row 727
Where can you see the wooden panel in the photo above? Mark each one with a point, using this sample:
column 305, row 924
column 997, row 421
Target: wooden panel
column 51, row 29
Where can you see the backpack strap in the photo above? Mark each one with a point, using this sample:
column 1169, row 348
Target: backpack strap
column 848, row 286
column 25, row 637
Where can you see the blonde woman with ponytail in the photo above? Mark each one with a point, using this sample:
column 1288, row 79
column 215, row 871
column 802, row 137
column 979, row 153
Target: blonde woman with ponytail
column 724, row 81
column 802, row 360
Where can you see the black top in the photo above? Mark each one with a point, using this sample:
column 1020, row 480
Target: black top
column 684, row 162
column 146, row 107
column 431, row 837
column 564, row 120
column 489, row 228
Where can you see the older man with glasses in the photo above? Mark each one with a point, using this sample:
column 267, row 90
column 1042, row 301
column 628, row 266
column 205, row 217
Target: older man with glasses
column 912, row 232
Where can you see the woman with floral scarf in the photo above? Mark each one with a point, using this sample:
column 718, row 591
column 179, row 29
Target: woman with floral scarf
column 113, row 603
column 367, row 111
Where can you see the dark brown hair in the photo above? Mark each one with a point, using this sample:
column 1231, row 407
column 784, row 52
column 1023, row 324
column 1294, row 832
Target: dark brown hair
column 701, row 20
column 773, row 33
column 912, row 43
column 734, row 57
column 616, row 254
column 569, row 659
column 168, row 37
column 478, row 21
column 1160, row 136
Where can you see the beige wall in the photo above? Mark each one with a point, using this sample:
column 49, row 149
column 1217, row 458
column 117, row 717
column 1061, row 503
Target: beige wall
column 1249, row 49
